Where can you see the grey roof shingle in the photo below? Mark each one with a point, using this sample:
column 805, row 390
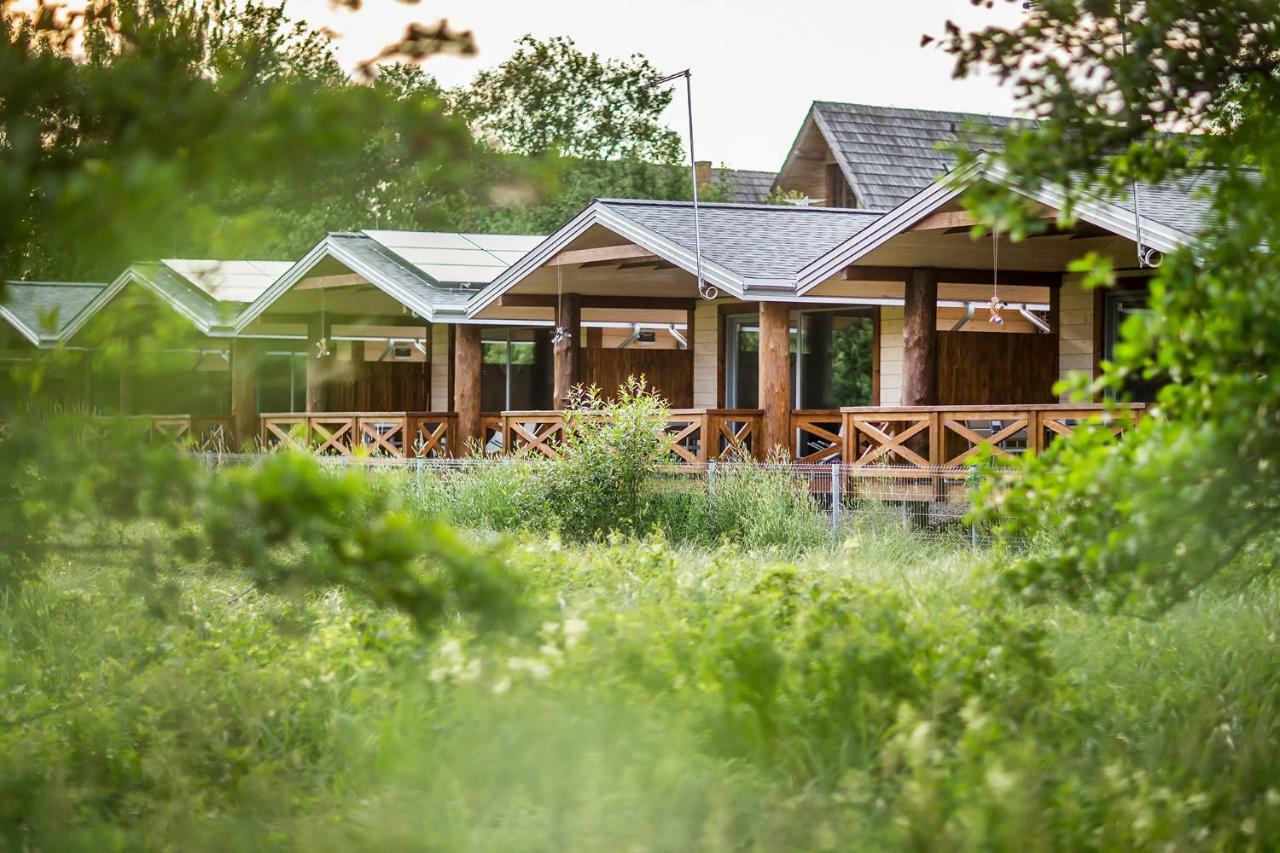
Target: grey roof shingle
column 1184, row 203
column 45, row 308
column 888, row 154
column 765, row 241
column 743, row 186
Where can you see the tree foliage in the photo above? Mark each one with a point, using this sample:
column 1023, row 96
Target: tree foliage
column 552, row 97
column 1160, row 91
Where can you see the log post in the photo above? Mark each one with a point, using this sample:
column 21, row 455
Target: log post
column 567, row 356
column 775, row 377
column 317, row 368
column 244, row 390
column 920, row 339
column 466, row 387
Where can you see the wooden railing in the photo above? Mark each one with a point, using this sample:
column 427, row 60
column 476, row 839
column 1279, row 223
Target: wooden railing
column 692, row 435
column 202, row 434
column 942, row 436
column 398, row 435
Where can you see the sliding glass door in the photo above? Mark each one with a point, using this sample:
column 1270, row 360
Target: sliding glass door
column 831, row 358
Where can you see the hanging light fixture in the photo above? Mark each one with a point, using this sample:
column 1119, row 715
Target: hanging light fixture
column 995, row 305
column 322, row 345
column 561, row 333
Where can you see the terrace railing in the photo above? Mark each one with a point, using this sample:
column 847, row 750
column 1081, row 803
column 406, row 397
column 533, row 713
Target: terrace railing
column 943, row 436
column 398, row 435
column 692, row 435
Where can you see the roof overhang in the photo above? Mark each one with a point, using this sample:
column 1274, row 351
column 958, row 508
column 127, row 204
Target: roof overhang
column 329, row 248
column 34, row 336
column 598, row 213
column 1101, row 213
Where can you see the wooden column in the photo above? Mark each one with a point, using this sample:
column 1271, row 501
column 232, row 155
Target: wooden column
column 568, row 361
column 244, row 391
column 775, row 377
column 466, row 387
column 920, row 339
column 317, row 368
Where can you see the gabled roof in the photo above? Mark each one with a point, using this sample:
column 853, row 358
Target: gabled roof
column 431, row 273
column 208, row 293
column 888, row 154
column 41, row 311
column 1162, row 206
column 743, row 186
column 746, row 249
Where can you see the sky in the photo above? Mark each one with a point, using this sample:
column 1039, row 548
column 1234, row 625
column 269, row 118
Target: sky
column 756, row 64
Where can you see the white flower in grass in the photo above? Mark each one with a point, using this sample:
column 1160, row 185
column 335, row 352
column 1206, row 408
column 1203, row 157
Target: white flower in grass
column 574, row 631
column 502, row 685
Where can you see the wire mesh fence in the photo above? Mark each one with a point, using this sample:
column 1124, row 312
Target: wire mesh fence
column 928, row 503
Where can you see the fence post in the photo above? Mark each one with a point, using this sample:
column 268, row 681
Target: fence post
column 837, row 506
column 973, row 525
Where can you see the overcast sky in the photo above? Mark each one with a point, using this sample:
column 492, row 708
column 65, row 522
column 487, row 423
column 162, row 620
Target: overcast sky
column 757, row 64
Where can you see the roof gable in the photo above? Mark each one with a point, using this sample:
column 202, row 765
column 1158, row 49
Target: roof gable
column 887, row 154
column 42, row 311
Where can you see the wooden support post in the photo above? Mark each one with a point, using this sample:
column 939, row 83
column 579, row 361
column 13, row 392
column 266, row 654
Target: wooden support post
column 317, row 368
column 567, row 356
column 920, row 339
column 466, row 387
column 244, row 391
column 775, row 377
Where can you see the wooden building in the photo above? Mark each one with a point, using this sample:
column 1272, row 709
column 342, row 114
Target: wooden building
column 856, row 325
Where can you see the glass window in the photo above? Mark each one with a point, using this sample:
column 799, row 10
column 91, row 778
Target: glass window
column 282, row 381
column 831, row 358
column 1117, row 307
column 516, row 369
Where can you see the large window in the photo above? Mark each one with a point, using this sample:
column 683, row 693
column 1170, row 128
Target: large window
column 282, row 380
column 831, row 359
column 1118, row 305
column 515, row 371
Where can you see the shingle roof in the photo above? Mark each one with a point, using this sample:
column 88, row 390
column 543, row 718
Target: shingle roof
column 754, row 241
column 1184, row 203
column 384, row 266
column 742, row 186
column 888, row 154
column 43, row 309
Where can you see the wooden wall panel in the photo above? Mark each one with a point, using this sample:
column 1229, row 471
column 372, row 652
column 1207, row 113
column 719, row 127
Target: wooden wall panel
column 978, row 369
column 385, row 386
column 669, row 371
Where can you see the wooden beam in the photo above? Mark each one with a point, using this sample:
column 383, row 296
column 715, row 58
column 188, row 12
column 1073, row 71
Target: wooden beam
column 955, row 275
column 567, row 350
column 942, row 220
column 466, row 387
column 244, row 390
column 348, row 319
column 920, row 340
column 548, row 300
column 625, row 252
column 775, row 378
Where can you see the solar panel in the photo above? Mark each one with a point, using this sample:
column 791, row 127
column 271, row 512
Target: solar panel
column 229, row 281
column 456, row 258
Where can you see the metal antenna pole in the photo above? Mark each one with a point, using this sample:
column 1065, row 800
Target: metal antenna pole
column 705, row 290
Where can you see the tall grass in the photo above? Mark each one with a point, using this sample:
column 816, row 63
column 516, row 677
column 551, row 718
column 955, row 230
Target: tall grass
column 664, row 696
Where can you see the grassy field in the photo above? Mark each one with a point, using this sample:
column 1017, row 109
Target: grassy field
column 874, row 694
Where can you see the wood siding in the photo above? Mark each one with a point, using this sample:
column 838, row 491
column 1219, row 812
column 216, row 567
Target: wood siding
column 371, row 386
column 440, row 401
column 1075, row 329
column 669, row 371
column 706, row 354
column 891, row 343
column 976, row 369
